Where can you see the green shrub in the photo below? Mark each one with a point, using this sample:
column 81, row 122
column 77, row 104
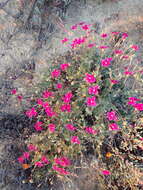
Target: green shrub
column 88, row 106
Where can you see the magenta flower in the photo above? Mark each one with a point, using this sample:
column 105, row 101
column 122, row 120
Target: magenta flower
column 77, row 41
column 55, row 73
column 91, row 101
column 85, row 27
column 131, row 102
column 70, row 127
column 39, row 102
column 13, row 91
column 125, row 57
column 47, row 94
column 104, row 35
column 73, row 45
column 44, row 160
column 115, row 33
column 106, row 172
column 90, row 78
column 138, row 106
column 38, row 126
column 19, row 97
column 124, row 35
column 39, row 164
column 64, row 40
column 91, row 45
column 21, row 159
column 59, row 85
column 81, row 23
column 67, row 97
column 51, row 127
column 118, row 52
column 81, row 40
column 114, row 127
column 62, row 171
column 64, row 66
column 26, row 155
column 46, row 105
column 114, row 81
column 134, row 99
column 90, row 130
column 135, row 47
column 74, row 27
column 32, row 147
column 75, row 140
column 128, row 72
column 49, row 111
column 63, row 161
column 111, row 116
column 65, row 107
column 32, row 112
column 106, row 62
column 93, row 90
column 103, row 47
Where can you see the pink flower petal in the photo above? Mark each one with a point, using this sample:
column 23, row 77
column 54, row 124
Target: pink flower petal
column 64, row 40
column 90, row 78
column 75, row 140
column 106, row 62
column 44, row 160
column 51, row 127
column 21, row 159
column 59, row 86
column 26, row 155
column 104, row 35
column 32, row 147
column 55, row 73
column 135, row 47
column 106, row 172
column 13, row 91
column 91, row 101
column 90, row 130
column 70, row 127
column 39, row 164
column 32, row 112
column 114, row 127
column 111, row 116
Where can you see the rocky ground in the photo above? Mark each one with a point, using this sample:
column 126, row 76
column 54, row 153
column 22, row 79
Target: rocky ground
column 21, row 66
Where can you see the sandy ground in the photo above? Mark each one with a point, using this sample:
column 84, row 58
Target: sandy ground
column 17, row 54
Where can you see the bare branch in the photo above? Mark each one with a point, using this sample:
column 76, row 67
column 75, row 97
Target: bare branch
column 3, row 4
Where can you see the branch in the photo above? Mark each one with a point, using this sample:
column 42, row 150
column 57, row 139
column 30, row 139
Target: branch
column 3, row 4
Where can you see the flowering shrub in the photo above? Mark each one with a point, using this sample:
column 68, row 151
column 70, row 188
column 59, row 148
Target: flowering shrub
column 87, row 97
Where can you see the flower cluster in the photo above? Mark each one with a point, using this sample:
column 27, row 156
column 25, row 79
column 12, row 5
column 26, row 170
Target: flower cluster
column 112, row 116
column 106, row 62
column 78, row 41
column 133, row 102
column 84, row 99
column 32, row 112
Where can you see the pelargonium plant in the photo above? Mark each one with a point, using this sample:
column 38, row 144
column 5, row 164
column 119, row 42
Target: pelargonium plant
column 86, row 97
